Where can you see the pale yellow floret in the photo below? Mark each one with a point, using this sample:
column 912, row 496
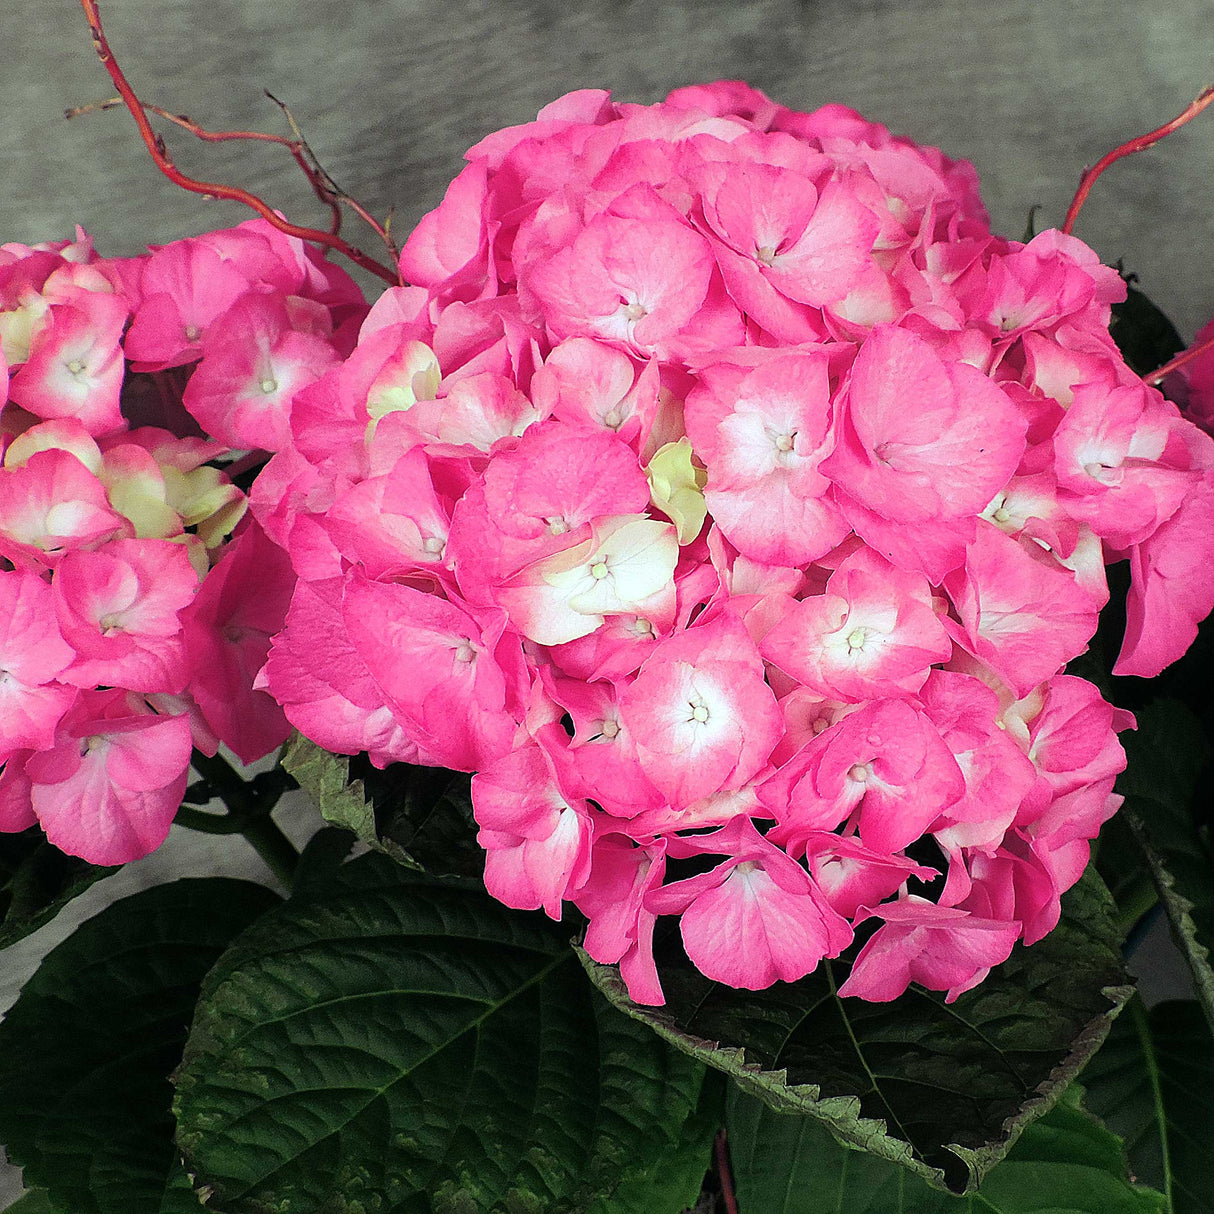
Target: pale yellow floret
column 205, row 499
column 19, row 326
column 412, row 376
column 49, row 438
column 676, row 488
column 151, row 516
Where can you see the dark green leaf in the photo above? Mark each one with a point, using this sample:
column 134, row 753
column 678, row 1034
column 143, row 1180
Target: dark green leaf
column 1145, row 336
column 941, row 1088
column 1065, row 1163
column 37, row 881
column 674, row 1181
column 86, row 1051
column 325, row 778
column 426, row 812
column 1153, row 1083
column 403, row 1044
column 1166, row 755
column 324, row 853
column 35, row 1201
column 1119, row 860
column 421, row 816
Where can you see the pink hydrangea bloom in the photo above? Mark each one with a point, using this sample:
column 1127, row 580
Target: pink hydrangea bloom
column 762, row 434
column 126, row 634
column 754, row 918
column 1022, row 613
column 885, row 766
column 702, row 715
column 33, row 654
column 325, row 688
column 720, row 471
column 226, row 631
column 75, row 363
column 255, row 357
column 613, row 899
column 537, row 838
column 872, row 633
column 1172, row 586
column 109, row 786
column 1192, row 386
column 942, row 948
column 118, row 608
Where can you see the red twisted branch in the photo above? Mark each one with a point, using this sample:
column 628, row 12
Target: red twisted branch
column 1157, row 376
column 725, row 1173
column 159, row 153
column 1139, row 144
column 322, row 184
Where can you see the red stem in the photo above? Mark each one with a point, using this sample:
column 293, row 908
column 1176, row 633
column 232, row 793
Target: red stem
column 725, row 1173
column 1128, row 149
column 326, row 188
column 159, row 153
column 1158, row 375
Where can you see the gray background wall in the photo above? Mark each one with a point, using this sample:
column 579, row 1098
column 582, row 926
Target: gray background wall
column 391, row 92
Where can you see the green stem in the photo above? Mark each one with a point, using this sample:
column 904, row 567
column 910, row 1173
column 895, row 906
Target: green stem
column 249, row 804
column 268, row 840
column 224, row 780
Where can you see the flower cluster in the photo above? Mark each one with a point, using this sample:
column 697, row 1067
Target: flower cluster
column 730, row 500
column 130, row 625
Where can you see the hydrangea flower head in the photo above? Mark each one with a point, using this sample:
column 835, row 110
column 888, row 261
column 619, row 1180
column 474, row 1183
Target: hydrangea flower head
column 137, row 600
column 728, row 498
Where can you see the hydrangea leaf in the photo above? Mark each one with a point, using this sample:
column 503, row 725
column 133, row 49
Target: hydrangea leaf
column 321, row 857
column 36, row 1201
column 420, row 816
column 325, row 778
column 1166, row 755
column 86, row 1051
column 1119, row 860
column 1143, row 333
column 1153, row 1083
column 391, row 1041
column 426, row 812
column 37, row 881
column 1064, row 1163
column 942, row 1089
column 675, row 1180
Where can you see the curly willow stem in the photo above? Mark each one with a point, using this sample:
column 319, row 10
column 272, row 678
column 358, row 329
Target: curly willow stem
column 1141, row 143
column 1157, row 376
column 725, row 1173
column 159, row 153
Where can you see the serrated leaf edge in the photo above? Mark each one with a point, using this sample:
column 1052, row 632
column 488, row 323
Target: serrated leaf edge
column 309, row 764
column 840, row 1113
column 1177, row 908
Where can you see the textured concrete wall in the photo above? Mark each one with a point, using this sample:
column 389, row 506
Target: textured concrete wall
column 391, row 92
